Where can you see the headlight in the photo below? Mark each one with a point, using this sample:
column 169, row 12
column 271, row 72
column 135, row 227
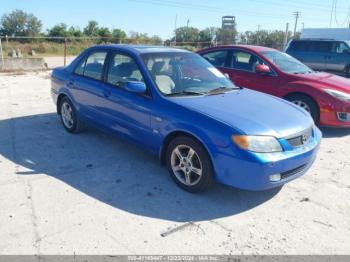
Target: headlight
column 258, row 144
column 338, row 94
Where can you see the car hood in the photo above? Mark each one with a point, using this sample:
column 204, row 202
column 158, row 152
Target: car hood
column 251, row 112
column 326, row 80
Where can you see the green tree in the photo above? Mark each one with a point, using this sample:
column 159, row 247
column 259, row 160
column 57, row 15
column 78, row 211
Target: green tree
column 119, row 34
column 75, row 32
column 59, row 30
column 104, row 32
column 227, row 36
column 19, row 23
column 91, row 29
column 209, row 34
column 187, row 34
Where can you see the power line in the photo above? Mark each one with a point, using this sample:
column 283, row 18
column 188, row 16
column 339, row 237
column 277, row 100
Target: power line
column 207, row 8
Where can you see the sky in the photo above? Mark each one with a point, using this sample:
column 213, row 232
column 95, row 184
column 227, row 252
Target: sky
column 157, row 17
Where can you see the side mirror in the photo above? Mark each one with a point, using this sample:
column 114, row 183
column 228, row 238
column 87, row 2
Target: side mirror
column 135, row 87
column 262, row 69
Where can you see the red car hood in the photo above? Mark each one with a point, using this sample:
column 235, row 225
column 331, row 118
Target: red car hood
column 326, row 80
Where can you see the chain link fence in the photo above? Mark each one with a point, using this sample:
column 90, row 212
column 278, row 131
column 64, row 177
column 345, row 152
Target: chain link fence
column 35, row 53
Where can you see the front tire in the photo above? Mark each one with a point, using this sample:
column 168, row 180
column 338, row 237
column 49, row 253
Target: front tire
column 308, row 104
column 68, row 116
column 189, row 164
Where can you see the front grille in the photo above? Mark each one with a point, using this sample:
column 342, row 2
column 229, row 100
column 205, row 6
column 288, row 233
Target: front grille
column 300, row 139
column 293, row 172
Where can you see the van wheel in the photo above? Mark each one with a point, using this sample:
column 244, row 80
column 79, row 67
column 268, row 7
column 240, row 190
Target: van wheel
column 308, row 104
column 189, row 164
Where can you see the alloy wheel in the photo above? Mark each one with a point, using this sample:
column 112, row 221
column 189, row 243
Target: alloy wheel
column 67, row 115
column 186, row 165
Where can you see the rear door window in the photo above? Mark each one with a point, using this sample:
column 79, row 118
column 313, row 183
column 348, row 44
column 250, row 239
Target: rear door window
column 92, row 66
column 217, row 58
column 320, row 47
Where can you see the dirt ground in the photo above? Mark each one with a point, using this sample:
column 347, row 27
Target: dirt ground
column 95, row 194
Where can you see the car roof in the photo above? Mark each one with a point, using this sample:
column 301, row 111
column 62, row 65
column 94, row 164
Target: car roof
column 316, row 39
column 141, row 49
column 255, row 48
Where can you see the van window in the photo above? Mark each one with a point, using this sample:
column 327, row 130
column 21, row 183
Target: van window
column 340, row 47
column 319, row 46
column 311, row 46
column 298, row 46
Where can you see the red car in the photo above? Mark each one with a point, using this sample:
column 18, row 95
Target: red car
column 325, row 96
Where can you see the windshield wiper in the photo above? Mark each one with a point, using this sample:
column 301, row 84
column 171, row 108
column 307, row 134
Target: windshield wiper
column 221, row 90
column 185, row 93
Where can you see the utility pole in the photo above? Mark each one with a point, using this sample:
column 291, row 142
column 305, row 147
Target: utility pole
column 188, row 22
column 175, row 29
column 285, row 41
column 258, row 35
column 297, row 15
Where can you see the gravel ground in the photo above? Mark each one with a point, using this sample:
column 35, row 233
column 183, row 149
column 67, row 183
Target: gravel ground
column 95, row 194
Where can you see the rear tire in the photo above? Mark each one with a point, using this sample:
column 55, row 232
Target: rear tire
column 308, row 104
column 347, row 71
column 69, row 117
column 189, row 164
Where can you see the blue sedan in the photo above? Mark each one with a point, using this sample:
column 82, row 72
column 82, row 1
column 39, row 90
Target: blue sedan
column 178, row 106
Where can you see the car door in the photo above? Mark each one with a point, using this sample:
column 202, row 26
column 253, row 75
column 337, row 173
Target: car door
column 128, row 113
column 87, row 87
column 339, row 57
column 241, row 70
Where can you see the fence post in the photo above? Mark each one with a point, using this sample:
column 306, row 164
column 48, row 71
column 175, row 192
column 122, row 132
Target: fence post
column 65, row 51
column 2, row 55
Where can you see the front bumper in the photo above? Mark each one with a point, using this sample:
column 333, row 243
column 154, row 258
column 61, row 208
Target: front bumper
column 255, row 171
column 333, row 116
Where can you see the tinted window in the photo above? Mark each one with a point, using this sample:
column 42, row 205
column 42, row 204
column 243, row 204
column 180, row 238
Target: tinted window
column 122, row 69
column 320, row 47
column 297, row 46
column 217, row 58
column 310, row 46
column 245, row 61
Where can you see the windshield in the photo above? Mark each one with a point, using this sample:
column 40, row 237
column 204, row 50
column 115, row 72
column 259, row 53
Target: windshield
column 178, row 73
column 286, row 63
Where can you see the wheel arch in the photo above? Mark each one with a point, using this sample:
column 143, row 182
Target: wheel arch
column 305, row 95
column 171, row 136
column 59, row 99
column 302, row 94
